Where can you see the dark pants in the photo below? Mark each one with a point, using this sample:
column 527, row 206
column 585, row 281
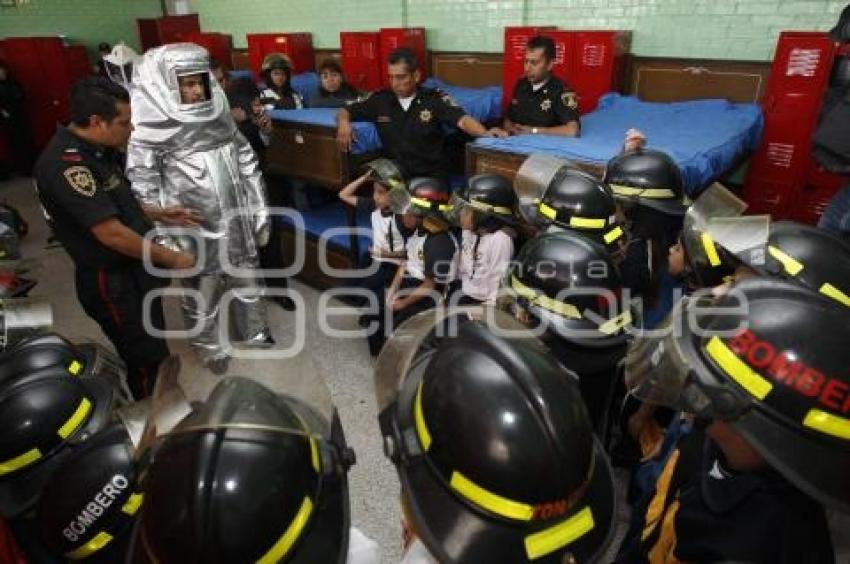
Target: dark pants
column 375, row 284
column 114, row 298
column 389, row 321
column 271, row 256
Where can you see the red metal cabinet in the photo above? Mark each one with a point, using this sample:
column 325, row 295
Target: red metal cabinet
column 590, row 62
column 46, row 69
column 782, row 178
column 154, row 32
column 513, row 61
column 297, row 46
column 598, row 65
column 219, row 46
column 361, row 59
column 411, row 37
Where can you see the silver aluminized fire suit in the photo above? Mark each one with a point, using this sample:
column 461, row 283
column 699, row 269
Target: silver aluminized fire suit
column 192, row 155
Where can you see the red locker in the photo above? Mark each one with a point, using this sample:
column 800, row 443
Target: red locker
column 782, row 178
column 154, row 32
column 598, row 65
column 78, row 62
column 219, row 45
column 298, row 46
column 361, row 59
column 41, row 65
column 513, row 61
column 411, row 37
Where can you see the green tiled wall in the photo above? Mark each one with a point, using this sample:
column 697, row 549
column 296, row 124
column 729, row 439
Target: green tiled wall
column 721, row 29
column 85, row 22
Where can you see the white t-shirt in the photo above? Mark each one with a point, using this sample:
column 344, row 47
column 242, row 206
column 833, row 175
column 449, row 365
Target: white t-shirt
column 415, row 265
column 539, row 85
column 481, row 274
column 405, row 102
column 386, row 236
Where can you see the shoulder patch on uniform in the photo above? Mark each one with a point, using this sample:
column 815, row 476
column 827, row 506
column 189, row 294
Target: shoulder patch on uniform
column 81, row 179
column 569, row 99
column 446, row 98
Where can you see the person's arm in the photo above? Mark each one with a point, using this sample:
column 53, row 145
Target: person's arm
column 364, row 110
column 173, row 215
column 570, row 129
column 424, row 290
column 255, row 189
column 473, row 127
column 144, row 168
column 115, row 235
column 349, row 193
column 395, row 284
column 566, row 110
column 509, row 126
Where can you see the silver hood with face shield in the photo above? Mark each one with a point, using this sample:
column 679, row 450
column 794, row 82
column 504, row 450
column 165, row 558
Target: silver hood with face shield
column 159, row 115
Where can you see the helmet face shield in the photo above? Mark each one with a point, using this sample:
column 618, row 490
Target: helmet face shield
column 532, row 179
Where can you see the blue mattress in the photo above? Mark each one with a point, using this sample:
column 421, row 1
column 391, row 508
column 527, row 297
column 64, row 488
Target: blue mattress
column 704, row 137
column 240, row 74
column 366, row 136
column 333, row 215
column 484, row 104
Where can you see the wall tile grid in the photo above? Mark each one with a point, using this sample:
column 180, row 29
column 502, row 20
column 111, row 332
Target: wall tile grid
column 721, row 29
column 85, row 22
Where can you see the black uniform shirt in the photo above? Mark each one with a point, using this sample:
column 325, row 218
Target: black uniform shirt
column 723, row 516
column 81, row 185
column 553, row 104
column 412, row 138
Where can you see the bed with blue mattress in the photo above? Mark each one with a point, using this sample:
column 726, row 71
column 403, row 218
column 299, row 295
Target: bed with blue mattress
column 305, row 83
column 706, row 138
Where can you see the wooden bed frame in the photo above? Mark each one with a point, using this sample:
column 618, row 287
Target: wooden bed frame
column 654, row 80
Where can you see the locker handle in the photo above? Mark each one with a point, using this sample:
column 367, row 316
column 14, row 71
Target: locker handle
column 695, row 70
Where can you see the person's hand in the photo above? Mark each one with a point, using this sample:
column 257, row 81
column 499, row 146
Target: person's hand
column 180, row 216
column 378, row 252
column 238, row 114
column 263, row 234
column 345, row 136
column 522, row 129
column 397, row 304
column 635, row 140
column 264, row 122
column 496, row 132
column 183, row 261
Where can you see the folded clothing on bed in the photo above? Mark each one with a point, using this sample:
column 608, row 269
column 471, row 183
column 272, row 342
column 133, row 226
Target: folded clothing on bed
column 704, row 137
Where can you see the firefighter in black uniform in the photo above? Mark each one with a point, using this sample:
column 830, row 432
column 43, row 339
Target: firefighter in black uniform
column 94, row 214
column 410, row 120
column 542, row 103
column 768, row 450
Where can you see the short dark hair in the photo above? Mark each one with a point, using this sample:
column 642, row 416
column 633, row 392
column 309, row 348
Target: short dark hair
column 330, row 64
column 96, row 96
column 214, row 64
column 406, row 56
column 545, row 43
column 104, row 47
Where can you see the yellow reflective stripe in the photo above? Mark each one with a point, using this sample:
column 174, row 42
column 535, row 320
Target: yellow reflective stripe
column 828, row 423
column 494, row 503
column 544, row 301
column 314, row 455
column 419, row 421
column 613, row 235
column 829, row 290
column 282, row 547
column 547, row 211
column 621, row 190
column 420, row 202
column 745, row 376
column 74, row 422
column 19, row 461
column 558, row 536
column 616, row 323
column 74, row 368
column 791, row 265
column 587, row 222
column 445, row 207
column 132, row 505
column 99, row 541
column 488, row 207
column 710, row 249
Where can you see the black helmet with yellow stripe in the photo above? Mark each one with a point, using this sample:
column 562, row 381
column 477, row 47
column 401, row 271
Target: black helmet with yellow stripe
column 87, row 509
column 429, row 197
column 494, row 449
column 770, row 358
column 648, row 178
column 251, row 475
column 811, row 257
column 576, row 201
column 46, row 412
column 569, row 285
column 491, row 200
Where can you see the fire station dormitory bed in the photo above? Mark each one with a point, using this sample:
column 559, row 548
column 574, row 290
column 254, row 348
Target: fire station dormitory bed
column 706, row 138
